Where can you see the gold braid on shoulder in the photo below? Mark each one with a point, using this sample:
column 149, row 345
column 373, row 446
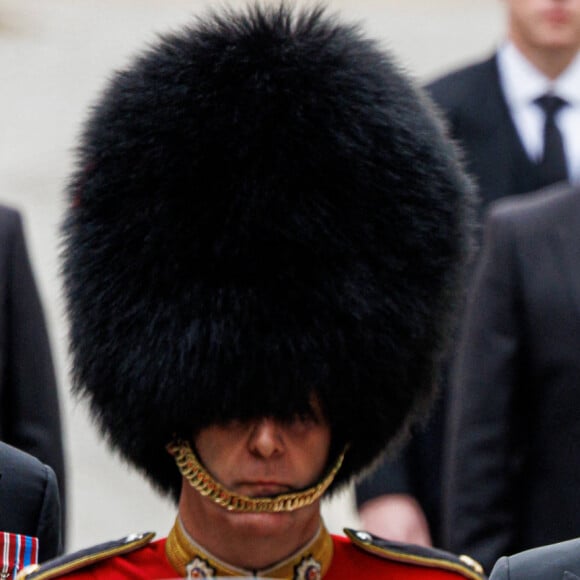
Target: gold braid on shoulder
column 198, row 477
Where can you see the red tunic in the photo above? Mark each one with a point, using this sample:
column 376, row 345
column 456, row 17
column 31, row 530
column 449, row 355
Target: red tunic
column 348, row 562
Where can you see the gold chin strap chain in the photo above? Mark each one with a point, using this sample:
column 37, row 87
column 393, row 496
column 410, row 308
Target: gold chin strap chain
column 197, row 476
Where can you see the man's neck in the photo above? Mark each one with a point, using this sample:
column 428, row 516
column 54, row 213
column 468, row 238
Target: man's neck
column 188, row 558
column 551, row 63
column 248, row 541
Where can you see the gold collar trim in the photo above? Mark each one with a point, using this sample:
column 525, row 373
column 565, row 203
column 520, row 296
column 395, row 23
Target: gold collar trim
column 191, row 561
column 199, row 478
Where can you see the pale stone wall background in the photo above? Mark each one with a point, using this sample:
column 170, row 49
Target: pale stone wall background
column 54, row 58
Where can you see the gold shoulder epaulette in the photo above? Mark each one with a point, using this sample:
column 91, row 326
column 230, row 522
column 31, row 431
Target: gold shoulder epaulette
column 77, row 560
column 417, row 555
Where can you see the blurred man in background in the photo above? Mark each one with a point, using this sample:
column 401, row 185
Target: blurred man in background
column 517, row 117
column 517, row 401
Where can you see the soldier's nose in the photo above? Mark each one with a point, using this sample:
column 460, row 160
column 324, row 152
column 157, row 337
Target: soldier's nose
column 266, row 438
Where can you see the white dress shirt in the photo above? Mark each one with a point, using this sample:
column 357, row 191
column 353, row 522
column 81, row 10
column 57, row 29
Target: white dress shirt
column 522, row 83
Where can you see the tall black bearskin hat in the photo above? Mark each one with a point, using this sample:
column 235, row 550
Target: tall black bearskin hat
column 264, row 208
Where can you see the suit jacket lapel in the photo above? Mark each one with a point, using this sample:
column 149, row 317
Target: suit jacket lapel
column 511, row 167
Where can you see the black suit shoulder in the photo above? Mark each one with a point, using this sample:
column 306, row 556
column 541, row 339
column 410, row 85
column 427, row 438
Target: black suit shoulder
column 545, row 563
column 456, row 90
column 537, row 211
column 525, row 223
column 8, row 213
column 13, row 250
column 473, row 103
column 29, row 500
column 10, row 225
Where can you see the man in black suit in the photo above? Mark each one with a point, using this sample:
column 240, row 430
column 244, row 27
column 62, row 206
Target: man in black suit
column 29, row 406
column 516, row 416
column 493, row 111
column 493, row 106
column 29, row 507
column 554, row 562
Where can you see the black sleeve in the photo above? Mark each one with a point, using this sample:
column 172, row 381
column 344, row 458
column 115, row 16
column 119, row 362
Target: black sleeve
column 30, row 407
column 415, row 470
column 390, row 477
column 49, row 528
column 29, row 500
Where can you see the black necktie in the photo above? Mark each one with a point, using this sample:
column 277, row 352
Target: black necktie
column 553, row 164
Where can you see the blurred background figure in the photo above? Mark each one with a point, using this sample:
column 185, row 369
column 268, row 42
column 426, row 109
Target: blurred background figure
column 515, row 469
column 517, row 364
column 29, row 403
column 30, row 517
column 517, row 116
column 502, row 109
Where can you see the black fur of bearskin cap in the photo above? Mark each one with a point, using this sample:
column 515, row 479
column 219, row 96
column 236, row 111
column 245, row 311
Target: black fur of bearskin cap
column 264, row 207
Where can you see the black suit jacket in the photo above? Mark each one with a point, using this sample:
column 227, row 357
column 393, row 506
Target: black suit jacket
column 472, row 102
column 29, row 406
column 555, row 562
column 29, row 501
column 515, row 470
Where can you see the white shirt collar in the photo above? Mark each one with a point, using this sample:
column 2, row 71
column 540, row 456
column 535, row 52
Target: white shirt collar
column 523, row 82
column 567, row 85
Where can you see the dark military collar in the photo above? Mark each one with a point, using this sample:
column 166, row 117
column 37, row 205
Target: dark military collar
column 416, row 555
column 193, row 561
column 62, row 565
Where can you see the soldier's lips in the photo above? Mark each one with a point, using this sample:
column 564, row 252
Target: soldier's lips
column 262, row 488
